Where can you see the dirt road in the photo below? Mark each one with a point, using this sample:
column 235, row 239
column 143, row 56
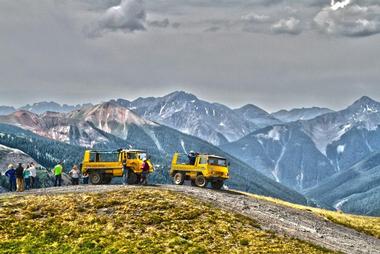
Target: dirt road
column 303, row 225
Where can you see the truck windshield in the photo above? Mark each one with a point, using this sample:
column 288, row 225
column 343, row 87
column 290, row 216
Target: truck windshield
column 217, row 162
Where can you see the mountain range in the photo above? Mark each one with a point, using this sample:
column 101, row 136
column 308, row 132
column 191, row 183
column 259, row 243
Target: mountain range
column 307, row 149
column 296, row 114
column 42, row 107
column 307, row 154
column 111, row 126
column 213, row 122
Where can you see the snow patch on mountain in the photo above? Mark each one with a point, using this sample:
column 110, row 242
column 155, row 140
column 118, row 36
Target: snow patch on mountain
column 183, row 146
column 340, row 149
column 273, row 134
column 11, row 150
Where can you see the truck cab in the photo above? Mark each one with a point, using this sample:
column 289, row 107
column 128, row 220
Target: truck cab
column 204, row 169
column 102, row 166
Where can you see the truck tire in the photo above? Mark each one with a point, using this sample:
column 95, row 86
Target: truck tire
column 107, row 179
column 193, row 182
column 217, row 185
column 200, row 181
column 96, row 178
column 132, row 178
column 179, row 178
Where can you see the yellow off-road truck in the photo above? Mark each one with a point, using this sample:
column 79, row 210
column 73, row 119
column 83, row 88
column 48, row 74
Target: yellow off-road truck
column 206, row 168
column 102, row 166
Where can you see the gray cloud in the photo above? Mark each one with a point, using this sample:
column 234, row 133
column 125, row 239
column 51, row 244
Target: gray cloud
column 128, row 16
column 255, row 18
column 288, row 26
column 44, row 55
column 352, row 20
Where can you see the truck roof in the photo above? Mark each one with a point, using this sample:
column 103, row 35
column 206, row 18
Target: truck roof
column 209, row 155
column 215, row 156
column 116, row 151
column 134, row 150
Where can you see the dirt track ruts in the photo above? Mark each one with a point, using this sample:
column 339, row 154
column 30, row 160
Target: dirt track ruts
column 284, row 220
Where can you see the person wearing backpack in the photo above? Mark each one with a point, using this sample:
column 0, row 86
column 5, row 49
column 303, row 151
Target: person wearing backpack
column 20, row 178
column 145, row 171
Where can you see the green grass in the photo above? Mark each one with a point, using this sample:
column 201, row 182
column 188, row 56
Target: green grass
column 132, row 221
column 365, row 224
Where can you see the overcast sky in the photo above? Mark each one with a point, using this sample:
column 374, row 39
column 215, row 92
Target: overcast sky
column 272, row 53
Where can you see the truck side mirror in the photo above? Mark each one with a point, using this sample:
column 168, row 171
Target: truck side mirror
column 229, row 164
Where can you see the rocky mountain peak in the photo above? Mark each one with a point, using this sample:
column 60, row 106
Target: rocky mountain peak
column 181, row 96
column 365, row 104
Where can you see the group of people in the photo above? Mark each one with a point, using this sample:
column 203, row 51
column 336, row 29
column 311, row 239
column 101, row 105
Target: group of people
column 25, row 178
column 74, row 174
column 21, row 178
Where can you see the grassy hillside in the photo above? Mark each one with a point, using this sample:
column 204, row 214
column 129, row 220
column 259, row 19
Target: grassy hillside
column 365, row 224
column 132, row 221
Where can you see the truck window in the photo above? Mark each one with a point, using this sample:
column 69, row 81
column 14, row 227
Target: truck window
column 94, row 157
column 203, row 160
column 182, row 159
column 217, row 162
column 131, row 156
column 108, row 157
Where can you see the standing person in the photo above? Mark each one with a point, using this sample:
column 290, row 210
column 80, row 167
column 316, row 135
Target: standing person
column 85, row 178
column 145, row 171
column 125, row 172
column 20, row 178
column 27, row 177
column 192, row 156
column 11, row 174
column 75, row 174
column 58, row 174
column 33, row 175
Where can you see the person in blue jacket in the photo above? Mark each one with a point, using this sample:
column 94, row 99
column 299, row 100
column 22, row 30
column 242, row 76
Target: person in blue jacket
column 11, row 174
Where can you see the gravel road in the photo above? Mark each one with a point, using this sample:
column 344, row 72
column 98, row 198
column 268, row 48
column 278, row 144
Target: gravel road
column 299, row 224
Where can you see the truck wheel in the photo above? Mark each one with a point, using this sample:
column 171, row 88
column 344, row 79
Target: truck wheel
column 217, row 185
column 107, row 179
column 132, row 178
column 193, row 183
column 200, row 181
column 179, row 178
column 96, row 178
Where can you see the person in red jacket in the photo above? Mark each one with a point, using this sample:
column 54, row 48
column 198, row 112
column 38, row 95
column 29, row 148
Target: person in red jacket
column 145, row 171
